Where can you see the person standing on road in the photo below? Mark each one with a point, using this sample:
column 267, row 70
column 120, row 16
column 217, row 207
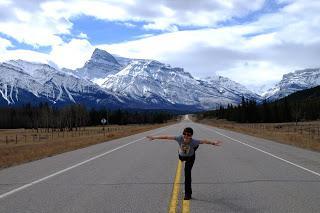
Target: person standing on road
column 187, row 148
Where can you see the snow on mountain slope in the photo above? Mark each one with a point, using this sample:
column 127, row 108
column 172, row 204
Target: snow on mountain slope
column 46, row 82
column 293, row 82
column 143, row 78
column 229, row 88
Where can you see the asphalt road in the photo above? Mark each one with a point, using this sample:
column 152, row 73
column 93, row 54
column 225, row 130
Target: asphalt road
column 133, row 174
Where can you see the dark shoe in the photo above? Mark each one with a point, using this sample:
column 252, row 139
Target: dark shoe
column 187, row 197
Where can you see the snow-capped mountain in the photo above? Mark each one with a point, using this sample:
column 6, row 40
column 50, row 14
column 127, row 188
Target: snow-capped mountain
column 114, row 81
column 23, row 82
column 229, row 88
column 143, row 79
column 293, row 82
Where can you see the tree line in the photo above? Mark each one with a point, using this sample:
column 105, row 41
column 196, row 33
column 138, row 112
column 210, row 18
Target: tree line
column 284, row 110
column 73, row 117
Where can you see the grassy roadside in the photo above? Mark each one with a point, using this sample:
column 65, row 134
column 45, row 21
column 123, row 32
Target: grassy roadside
column 21, row 146
column 304, row 134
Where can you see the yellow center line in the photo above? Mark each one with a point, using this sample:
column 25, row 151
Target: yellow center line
column 186, row 206
column 175, row 191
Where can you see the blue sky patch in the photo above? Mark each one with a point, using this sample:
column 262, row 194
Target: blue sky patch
column 16, row 45
column 105, row 32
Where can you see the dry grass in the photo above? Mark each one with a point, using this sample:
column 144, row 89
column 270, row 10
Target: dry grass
column 303, row 134
column 21, row 145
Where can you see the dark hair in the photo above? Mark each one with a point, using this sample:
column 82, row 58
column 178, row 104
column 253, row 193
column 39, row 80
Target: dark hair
column 188, row 130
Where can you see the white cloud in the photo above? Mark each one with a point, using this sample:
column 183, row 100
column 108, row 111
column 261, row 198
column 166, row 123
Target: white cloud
column 83, row 35
column 27, row 23
column 162, row 25
column 72, row 55
column 42, row 22
column 252, row 52
column 30, row 34
column 33, row 56
column 5, row 2
column 129, row 25
column 26, row 55
column 204, row 13
column 162, row 15
column 144, row 36
column 255, row 72
column 99, row 9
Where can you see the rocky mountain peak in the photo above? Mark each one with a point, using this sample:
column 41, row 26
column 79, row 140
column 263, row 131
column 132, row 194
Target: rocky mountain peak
column 101, row 56
column 100, row 65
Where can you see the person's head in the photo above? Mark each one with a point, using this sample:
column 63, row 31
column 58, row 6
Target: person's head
column 187, row 134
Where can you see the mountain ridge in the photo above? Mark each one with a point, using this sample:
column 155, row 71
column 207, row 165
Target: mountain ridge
column 114, row 81
column 293, row 82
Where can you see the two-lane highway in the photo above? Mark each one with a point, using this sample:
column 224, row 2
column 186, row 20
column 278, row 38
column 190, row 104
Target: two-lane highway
column 133, row 174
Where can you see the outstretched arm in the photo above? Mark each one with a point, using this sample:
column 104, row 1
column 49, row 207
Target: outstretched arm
column 214, row 143
column 161, row 137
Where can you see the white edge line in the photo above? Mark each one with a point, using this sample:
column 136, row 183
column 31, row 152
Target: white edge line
column 301, row 167
column 69, row 168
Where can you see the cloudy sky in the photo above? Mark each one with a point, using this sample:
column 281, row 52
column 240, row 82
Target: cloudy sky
column 252, row 42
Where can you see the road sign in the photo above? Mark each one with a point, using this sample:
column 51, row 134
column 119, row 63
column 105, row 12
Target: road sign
column 103, row 121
